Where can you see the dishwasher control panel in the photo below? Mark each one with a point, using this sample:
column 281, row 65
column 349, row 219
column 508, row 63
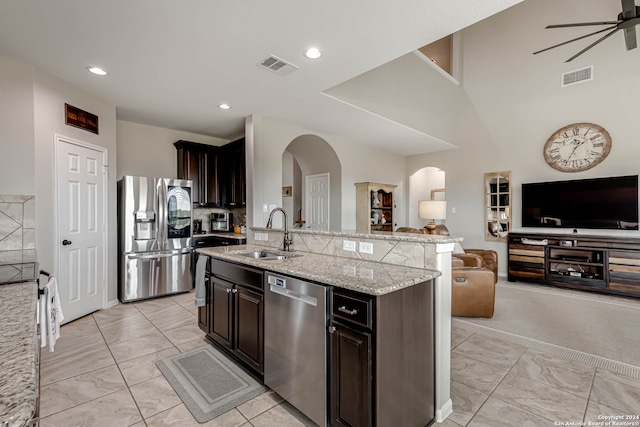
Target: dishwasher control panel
column 278, row 281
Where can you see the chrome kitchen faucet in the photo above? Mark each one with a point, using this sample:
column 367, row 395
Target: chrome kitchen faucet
column 287, row 240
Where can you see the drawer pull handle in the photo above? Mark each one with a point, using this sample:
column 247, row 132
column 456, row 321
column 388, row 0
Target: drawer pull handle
column 344, row 309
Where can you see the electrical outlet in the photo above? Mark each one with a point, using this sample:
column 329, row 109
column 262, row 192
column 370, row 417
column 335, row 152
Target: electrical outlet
column 366, row 248
column 349, row 245
column 271, row 207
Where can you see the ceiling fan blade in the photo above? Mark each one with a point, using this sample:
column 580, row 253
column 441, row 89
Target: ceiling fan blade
column 628, row 9
column 630, row 38
column 592, row 45
column 583, row 24
column 576, row 39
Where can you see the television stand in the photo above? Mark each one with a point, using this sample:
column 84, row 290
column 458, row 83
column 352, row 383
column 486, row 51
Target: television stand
column 594, row 263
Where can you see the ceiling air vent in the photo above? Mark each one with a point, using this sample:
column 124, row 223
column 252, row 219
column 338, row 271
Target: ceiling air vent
column 277, row 65
column 577, row 76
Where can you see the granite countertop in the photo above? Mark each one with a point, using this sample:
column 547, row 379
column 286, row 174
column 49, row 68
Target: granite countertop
column 369, row 277
column 18, row 357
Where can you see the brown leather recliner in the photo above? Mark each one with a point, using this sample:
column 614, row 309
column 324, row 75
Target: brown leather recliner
column 472, row 291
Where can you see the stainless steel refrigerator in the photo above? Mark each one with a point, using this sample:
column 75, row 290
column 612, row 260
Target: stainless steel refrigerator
column 154, row 240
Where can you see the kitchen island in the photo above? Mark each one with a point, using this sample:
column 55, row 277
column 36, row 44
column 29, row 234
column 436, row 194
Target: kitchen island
column 18, row 354
column 386, row 355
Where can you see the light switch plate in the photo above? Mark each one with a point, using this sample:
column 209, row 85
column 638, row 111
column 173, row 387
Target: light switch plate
column 349, row 245
column 271, row 207
column 265, row 208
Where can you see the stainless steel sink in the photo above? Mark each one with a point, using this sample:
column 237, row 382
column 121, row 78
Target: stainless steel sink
column 268, row 255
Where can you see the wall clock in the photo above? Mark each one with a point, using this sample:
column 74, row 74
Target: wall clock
column 577, row 147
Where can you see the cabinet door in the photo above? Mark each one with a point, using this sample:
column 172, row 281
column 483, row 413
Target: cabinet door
column 221, row 325
column 189, row 166
column 210, row 178
column 233, row 180
column 203, row 312
column 351, row 396
column 249, row 331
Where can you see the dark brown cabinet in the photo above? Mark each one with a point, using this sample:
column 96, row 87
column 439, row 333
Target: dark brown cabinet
column 218, row 173
column 199, row 163
column 382, row 358
column 351, row 362
column 236, row 312
column 233, row 177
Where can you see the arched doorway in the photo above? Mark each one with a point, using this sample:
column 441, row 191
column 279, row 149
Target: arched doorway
column 307, row 158
column 427, row 183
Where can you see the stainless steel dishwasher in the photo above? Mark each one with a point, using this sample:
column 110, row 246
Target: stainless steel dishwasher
column 295, row 341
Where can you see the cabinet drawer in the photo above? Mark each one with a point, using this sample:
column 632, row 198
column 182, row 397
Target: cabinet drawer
column 352, row 308
column 237, row 274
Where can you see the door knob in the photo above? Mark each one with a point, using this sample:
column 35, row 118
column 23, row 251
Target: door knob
column 66, row 242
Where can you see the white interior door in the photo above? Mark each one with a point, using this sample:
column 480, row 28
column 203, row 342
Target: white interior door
column 81, row 206
column 317, row 201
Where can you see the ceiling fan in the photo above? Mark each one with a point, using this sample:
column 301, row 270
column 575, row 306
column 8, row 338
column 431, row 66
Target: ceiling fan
column 627, row 21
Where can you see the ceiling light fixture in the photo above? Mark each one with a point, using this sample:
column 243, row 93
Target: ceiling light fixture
column 313, row 53
column 97, row 71
column 224, row 106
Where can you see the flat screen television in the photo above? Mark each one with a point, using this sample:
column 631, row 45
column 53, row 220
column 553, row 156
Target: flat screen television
column 599, row 203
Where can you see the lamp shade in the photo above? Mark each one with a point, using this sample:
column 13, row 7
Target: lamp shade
column 432, row 209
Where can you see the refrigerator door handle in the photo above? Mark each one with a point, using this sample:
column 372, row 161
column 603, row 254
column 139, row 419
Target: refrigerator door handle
column 157, row 256
column 162, row 200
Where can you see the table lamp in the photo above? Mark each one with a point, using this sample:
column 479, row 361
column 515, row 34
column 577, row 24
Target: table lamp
column 432, row 210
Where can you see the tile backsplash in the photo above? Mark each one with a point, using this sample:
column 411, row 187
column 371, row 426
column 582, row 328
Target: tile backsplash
column 17, row 228
column 239, row 215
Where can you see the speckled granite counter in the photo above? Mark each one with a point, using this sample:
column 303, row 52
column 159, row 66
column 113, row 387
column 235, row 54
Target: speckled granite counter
column 18, row 357
column 373, row 278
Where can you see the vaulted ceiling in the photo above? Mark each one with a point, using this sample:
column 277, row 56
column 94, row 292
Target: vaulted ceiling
column 171, row 63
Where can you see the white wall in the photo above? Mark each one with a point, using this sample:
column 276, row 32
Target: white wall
column 516, row 103
column 267, row 140
column 145, row 150
column 50, row 95
column 17, row 152
column 315, row 156
column 420, row 185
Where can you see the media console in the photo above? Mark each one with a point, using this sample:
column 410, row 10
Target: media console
column 596, row 263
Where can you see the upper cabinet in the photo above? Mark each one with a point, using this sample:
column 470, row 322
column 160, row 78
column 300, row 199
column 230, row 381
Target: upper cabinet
column 375, row 207
column 218, row 173
column 497, row 188
column 199, row 163
column 233, row 177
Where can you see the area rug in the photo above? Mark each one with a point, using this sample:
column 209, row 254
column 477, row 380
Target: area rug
column 603, row 325
column 208, row 382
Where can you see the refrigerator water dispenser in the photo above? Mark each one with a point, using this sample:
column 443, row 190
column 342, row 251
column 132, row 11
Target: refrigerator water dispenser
column 145, row 225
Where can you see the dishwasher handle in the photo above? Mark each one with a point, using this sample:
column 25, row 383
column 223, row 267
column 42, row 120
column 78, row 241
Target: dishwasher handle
column 287, row 293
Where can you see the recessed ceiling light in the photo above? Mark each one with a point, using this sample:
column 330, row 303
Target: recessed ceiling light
column 97, row 70
column 313, row 53
column 224, row 106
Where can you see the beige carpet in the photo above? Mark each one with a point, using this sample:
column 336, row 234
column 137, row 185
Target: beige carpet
column 602, row 325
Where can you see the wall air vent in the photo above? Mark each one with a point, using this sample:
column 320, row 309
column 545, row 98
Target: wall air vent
column 277, row 65
column 577, row 76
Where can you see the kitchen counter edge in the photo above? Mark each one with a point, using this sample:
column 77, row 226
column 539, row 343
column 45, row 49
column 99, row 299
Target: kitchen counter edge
column 368, row 277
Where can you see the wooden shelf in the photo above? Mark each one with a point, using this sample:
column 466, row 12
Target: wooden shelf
column 367, row 211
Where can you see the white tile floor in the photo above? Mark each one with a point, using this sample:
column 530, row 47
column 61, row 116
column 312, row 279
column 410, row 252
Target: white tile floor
column 103, row 373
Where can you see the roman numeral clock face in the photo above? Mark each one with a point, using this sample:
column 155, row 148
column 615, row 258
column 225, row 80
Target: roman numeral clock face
column 577, row 147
